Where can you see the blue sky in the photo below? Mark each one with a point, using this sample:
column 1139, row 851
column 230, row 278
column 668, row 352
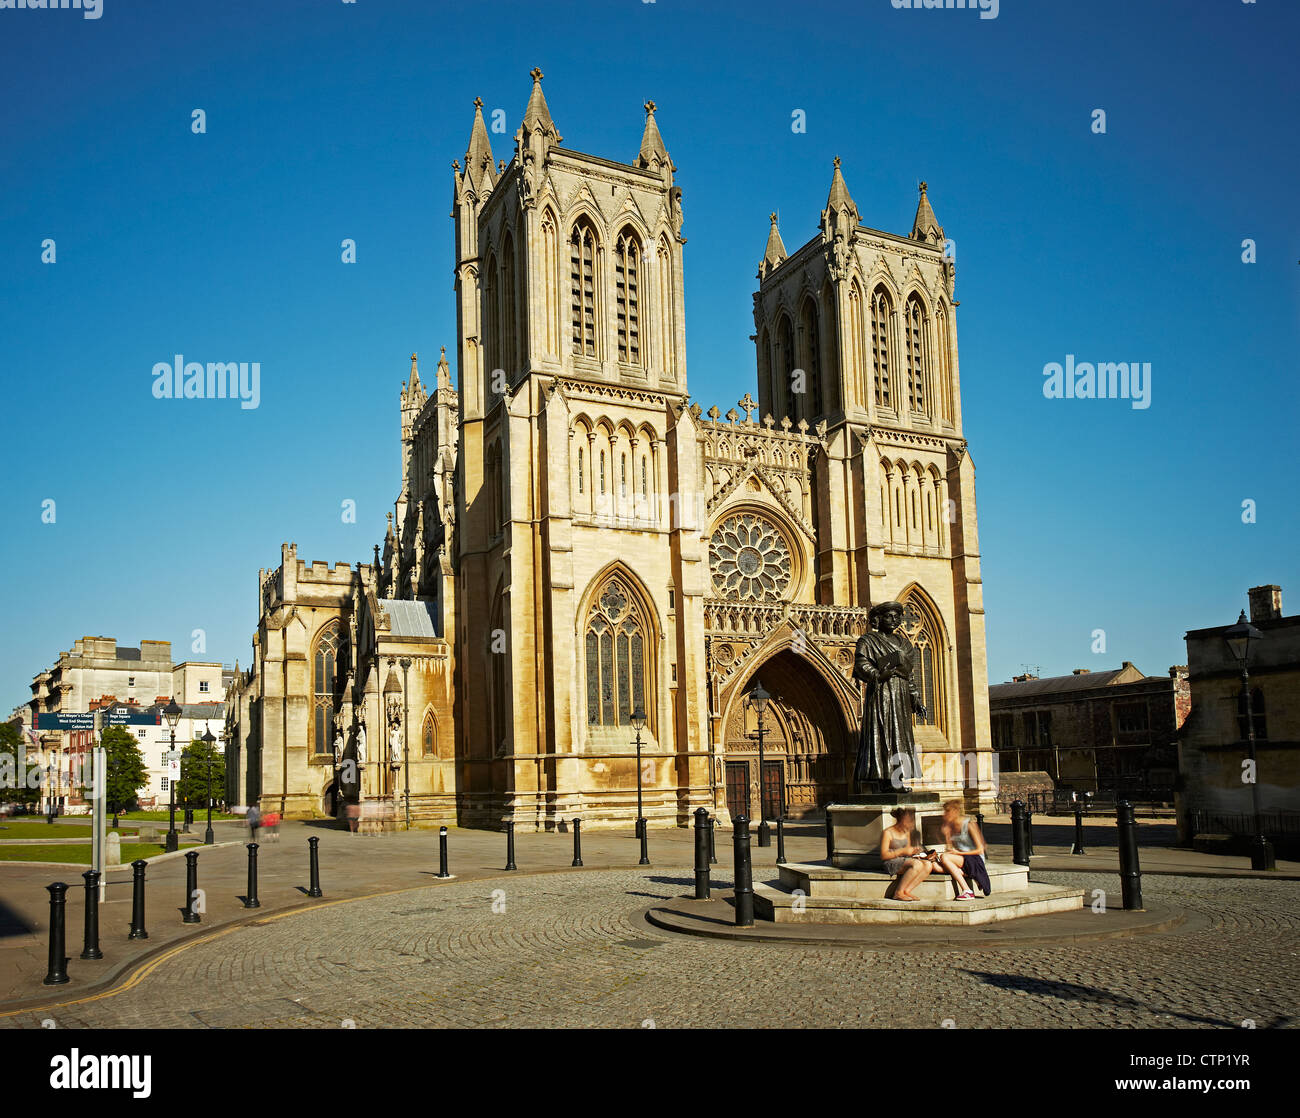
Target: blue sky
column 328, row 120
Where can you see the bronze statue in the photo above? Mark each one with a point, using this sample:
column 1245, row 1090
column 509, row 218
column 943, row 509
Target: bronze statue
column 884, row 662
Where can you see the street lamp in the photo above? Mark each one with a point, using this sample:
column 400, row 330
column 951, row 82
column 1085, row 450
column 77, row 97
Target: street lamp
column 637, row 718
column 757, row 700
column 1239, row 638
column 406, row 734
column 172, row 712
column 209, row 739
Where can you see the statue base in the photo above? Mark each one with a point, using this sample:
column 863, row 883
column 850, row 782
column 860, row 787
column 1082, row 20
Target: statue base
column 855, row 824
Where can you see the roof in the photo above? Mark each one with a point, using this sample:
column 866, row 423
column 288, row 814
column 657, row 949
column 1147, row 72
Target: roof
column 1051, row 685
column 203, row 710
column 412, row 619
column 124, row 653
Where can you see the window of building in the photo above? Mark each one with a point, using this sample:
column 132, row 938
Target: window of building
column 627, row 260
column 1256, row 713
column 203, row 686
column 1045, row 727
column 1131, row 718
column 921, row 627
column 582, row 275
column 914, row 334
column 1003, row 726
column 130, row 681
column 579, row 469
column 1029, row 718
column 325, row 685
column 880, row 311
column 428, row 736
column 165, row 784
column 615, row 656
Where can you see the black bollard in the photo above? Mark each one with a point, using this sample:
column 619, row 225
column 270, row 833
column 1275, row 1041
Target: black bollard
column 1029, row 830
column 830, row 835
column 703, row 832
column 137, row 900
column 57, row 974
column 191, row 887
column 645, row 853
column 744, row 874
column 1130, row 872
column 90, row 941
column 979, row 818
column 314, row 860
column 442, row 853
column 1019, row 840
column 577, row 842
column 510, row 846
column 713, row 849
column 1077, row 848
column 189, row 818
column 780, row 841
column 250, row 900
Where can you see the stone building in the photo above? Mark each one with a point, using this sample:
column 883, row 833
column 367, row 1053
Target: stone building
column 1113, row 732
column 1215, row 796
column 574, row 539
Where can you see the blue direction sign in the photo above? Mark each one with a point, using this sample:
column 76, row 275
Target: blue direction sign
column 85, row 720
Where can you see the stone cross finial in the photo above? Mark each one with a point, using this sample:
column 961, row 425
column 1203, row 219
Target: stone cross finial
column 922, row 188
column 748, row 405
column 536, row 74
column 478, row 102
column 837, row 161
column 772, row 215
column 650, row 108
column 732, row 415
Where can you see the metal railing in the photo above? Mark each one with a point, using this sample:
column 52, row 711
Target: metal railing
column 1275, row 824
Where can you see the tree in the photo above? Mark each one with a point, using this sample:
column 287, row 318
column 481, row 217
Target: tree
column 20, row 782
column 192, row 788
column 127, row 773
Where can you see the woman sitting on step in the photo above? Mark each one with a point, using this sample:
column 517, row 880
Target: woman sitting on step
column 902, row 857
column 966, row 850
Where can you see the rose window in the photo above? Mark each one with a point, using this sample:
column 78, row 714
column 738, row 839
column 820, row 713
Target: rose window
column 749, row 558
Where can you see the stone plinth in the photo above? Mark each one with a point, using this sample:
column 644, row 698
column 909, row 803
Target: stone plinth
column 827, row 882
column 857, row 823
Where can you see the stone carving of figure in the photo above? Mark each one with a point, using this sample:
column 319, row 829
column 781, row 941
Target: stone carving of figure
column 884, row 661
column 395, row 746
column 361, row 741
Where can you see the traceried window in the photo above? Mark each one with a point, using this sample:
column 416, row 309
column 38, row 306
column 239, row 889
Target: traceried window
column 615, row 641
column 922, row 630
column 1256, row 715
column 627, row 294
column 327, row 657
column 580, row 489
column 811, row 361
column 914, row 333
column 785, row 368
column 945, row 366
column 428, row 736
column 880, row 310
column 582, row 282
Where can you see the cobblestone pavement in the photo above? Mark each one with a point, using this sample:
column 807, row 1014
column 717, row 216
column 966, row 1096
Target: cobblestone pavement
column 571, row 949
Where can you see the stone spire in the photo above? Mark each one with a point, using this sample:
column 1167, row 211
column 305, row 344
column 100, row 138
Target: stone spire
column 839, row 197
column 926, row 227
column 653, row 156
column 537, row 117
column 775, row 253
column 478, row 156
column 444, row 371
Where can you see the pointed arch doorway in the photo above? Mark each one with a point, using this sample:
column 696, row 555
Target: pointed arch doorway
column 808, row 749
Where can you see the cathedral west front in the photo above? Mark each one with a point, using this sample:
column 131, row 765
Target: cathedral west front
column 580, row 554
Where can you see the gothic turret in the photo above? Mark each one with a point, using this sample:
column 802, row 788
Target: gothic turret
column 537, row 134
column 839, row 219
column 653, row 155
column 926, row 227
column 479, row 168
column 775, row 253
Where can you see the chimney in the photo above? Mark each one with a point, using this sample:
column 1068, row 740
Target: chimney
column 1082, row 671
column 1265, row 603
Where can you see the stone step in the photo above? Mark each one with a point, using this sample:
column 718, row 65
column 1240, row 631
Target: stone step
column 781, row 907
column 820, row 879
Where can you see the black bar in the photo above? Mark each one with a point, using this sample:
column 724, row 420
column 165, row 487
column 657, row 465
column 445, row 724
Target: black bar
column 137, row 900
column 830, row 834
column 314, row 859
column 510, row 845
column 645, row 853
column 780, row 841
column 57, row 974
column 1029, row 829
column 90, row 942
column 1077, row 848
column 191, row 887
column 442, row 853
column 744, row 874
column 250, row 900
column 1130, row 872
column 703, row 831
column 577, row 842
column 713, row 849
column 1019, row 840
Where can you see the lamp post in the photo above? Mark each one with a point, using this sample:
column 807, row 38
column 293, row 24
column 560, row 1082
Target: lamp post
column 1239, row 638
column 209, row 739
column 757, row 699
column 406, row 735
column 637, row 719
column 172, row 712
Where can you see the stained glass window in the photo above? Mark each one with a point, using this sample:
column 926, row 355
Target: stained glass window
column 919, row 629
column 615, row 657
column 880, row 309
column 325, row 685
column 915, row 334
column 627, row 258
column 582, row 276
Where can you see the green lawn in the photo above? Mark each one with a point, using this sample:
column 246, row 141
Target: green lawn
column 25, row 830
column 154, row 816
column 76, row 853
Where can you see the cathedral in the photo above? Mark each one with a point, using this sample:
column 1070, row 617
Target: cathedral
column 586, row 575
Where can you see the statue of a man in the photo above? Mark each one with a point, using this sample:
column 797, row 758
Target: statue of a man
column 395, row 746
column 884, row 662
column 361, row 741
